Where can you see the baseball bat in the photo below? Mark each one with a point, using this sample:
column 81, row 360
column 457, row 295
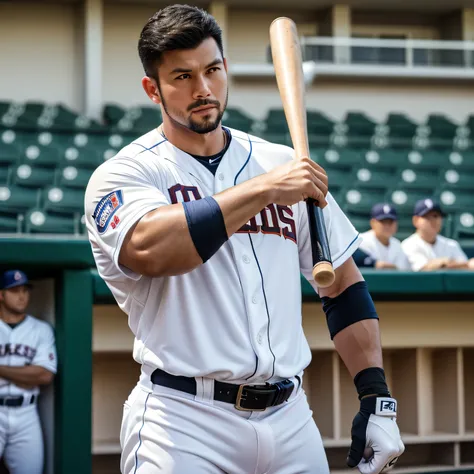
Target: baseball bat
column 287, row 60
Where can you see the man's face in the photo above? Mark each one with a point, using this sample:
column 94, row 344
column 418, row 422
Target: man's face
column 384, row 228
column 430, row 224
column 15, row 299
column 193, row 86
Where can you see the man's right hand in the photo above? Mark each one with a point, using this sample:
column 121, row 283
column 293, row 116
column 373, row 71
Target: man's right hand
column 296, row 181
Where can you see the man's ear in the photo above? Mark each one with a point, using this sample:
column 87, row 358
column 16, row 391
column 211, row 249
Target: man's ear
column 151, row 89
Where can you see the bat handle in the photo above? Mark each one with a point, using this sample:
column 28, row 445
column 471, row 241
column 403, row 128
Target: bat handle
column 323, row 272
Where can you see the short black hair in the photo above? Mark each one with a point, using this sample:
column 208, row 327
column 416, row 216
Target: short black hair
column 175, row 27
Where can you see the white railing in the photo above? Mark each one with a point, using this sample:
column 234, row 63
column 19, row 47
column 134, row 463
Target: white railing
column 407, row 53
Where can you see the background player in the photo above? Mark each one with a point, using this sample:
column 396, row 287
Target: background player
column 185, row 224
column 426, row 249
column 380, row 243
column 27, row 360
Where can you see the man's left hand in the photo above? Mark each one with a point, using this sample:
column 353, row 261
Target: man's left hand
column 375, row 427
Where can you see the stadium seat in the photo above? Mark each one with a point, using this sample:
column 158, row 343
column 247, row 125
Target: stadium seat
column 82, row 157
column 423, row 180
column 463, row 228
column 461, row 161
column 9, row 148
column 17, row 199
column 360, row 222
column 359, row 124
column 455, row 179
column 344, row 158
column 9, row 223
column 398, row 131
column 360, row 201
column 5, row 173
column 405, row 226
column 383, row 159
column 32, row 176
column 364, row 178
column 136, row 120
column 38, row 155
column 318, row 123
column 63, row 200
column 72, row 177
column 39, row 221
column 441, row 127
column 455, row 200
column 338, row 179
column 404, row 199
column 235, row 118
column 423, row 160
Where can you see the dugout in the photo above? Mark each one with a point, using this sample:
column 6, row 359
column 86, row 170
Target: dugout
column 427, row 323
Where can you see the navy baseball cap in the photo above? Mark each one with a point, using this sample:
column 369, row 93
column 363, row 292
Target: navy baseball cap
column 12, row 278
column 423, row 206
column 384, row 211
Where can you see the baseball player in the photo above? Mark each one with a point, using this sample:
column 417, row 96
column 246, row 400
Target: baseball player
column 27, row 360
column 380, row 243
column 426, row 249
column 201, row 232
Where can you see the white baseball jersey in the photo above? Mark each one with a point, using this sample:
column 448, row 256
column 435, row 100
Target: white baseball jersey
column 420, row 252
column 391, row 253
column 236, row 317
column 31, row 342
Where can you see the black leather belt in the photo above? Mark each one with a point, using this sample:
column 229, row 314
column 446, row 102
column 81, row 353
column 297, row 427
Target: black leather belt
column 246, row 397
column 11, row 401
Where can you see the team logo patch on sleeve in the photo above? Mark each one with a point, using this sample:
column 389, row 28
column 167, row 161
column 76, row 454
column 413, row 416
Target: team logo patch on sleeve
column 105, row 210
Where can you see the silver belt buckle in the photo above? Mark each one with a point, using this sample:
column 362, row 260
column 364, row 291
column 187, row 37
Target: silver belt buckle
column 241, row 396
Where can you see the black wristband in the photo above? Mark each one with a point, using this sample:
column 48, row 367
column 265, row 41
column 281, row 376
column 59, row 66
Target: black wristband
column 371, row 381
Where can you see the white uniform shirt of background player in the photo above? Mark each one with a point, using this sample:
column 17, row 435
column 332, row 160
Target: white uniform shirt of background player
column 426, row 249
column 236, row 318
column 27, row 360
column 380, row 243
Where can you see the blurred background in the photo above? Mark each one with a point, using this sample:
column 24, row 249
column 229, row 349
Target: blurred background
column 390, row 99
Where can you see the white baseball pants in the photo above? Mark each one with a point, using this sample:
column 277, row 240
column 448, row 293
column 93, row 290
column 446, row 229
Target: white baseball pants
column 21, row 439
column 170, row 432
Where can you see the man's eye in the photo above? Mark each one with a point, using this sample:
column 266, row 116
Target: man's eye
column 183, row 76
column 213, row 69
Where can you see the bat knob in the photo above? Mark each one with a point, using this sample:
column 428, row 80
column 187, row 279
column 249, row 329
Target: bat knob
column 323, row 274
column 368, row 453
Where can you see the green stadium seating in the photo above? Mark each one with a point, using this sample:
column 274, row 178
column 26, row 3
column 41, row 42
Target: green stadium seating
column 318, row 123
column 9, row 223
column 461, row 161
column 463, row 227
column 360, row 202
column 235, row 118
column 39, row 221
column 383, row 159
column 37, row 155
column 5, row 173
column 63, row 200
column 423, row 180
column 344, row 158
column 398, row 130
column 360, row 222
column 9, row 148
column 134, row 120
column 72, row 177
column 455, row 200
column 32, row 176
column 358, row 123
column 17, row 199
column 81, row 157
column 404, row 199
column 371, row 179
column 338, row 179
column 405, row 227
column 423, row 160
column 441, row 127
column 453, row 179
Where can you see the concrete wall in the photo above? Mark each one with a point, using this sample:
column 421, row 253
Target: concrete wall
column 38, row 53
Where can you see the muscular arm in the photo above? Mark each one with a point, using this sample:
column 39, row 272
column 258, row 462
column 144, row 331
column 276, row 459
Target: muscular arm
column 160, row 243
column 28, row 376
column 358, row 344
